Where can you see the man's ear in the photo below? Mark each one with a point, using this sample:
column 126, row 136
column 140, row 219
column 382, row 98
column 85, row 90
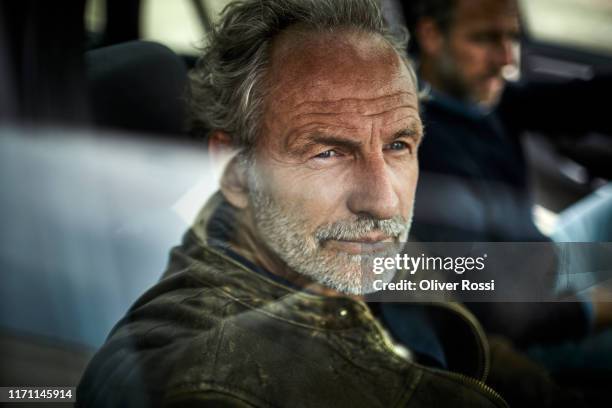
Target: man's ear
column 430, row 37
column 219, row 143
column 234, row 186
column 234, row 182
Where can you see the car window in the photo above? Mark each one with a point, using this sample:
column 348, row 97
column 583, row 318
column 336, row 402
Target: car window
column 172, row 23
column 175, row 24
column 585, row 24
column 95, row 16
column 214, row 8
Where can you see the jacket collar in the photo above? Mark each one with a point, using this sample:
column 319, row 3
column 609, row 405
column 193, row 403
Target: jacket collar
column 215, row 233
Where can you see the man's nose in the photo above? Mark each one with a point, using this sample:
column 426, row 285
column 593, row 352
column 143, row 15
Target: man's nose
column 505, row 53
column 373, row 193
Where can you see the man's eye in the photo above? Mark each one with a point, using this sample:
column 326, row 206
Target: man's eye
column 327, row 154
column 398, row 146
column 485, row 38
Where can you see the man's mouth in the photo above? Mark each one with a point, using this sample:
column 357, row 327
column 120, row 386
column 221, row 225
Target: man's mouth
column 494, row 80
column 367, row 244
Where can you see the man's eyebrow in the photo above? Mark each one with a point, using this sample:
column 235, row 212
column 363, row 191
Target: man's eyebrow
column 304, row 143
column 414, row 131
column 334, row 140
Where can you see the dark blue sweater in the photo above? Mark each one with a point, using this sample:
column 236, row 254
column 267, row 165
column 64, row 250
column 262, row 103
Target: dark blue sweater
column 473, row 185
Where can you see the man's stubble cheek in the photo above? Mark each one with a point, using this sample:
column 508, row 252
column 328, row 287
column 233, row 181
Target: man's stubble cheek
column 408, row 194
column 287, row 232
column 314, row 196
column 278, row 217
column 454, row 78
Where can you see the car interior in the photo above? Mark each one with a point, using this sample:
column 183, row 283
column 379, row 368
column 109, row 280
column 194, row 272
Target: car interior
column 93, row 109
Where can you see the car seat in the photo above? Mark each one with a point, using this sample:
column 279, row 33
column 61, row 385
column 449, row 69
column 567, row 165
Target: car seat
column 138, row 86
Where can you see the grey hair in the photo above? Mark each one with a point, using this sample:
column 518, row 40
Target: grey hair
column 227, row 89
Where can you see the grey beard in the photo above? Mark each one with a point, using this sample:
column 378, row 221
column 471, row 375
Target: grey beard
column 286, row 234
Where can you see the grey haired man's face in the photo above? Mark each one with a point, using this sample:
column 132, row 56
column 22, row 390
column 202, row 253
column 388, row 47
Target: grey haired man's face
column 336, row 167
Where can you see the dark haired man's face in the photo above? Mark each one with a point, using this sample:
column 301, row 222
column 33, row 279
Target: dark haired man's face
column 482, row 39
column 336, row 166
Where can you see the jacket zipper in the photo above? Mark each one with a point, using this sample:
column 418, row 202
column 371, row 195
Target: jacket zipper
column 474, row 382
column 462, row 378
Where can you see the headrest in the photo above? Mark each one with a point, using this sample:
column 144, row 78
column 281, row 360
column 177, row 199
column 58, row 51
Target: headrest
column 138, row 86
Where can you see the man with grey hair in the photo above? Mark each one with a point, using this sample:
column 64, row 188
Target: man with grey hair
column 262, row 304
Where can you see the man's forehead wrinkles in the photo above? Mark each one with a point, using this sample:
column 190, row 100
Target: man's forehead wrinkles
column 414, row 122
column 355, row 104
column 323, row 126
column 351, row 108
column 347, row 116
column 296, row 133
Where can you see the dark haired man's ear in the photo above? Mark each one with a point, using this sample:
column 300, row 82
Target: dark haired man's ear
column 430, row 37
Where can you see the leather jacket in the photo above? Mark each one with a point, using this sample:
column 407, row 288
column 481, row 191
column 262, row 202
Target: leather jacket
column 215, row 332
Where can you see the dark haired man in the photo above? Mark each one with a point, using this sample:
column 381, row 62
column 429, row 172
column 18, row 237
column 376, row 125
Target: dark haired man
column 473, row 184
